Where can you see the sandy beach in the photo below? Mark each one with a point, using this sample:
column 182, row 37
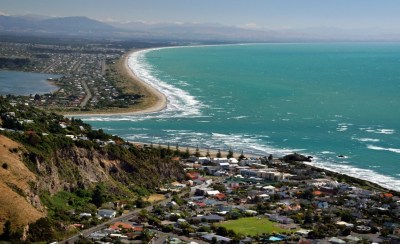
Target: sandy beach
column 153, row 100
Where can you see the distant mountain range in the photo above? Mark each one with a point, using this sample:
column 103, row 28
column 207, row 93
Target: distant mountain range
column 46, row 25
column 85, row 27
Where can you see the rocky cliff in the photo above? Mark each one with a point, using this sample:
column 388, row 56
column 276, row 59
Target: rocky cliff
column 25, row 174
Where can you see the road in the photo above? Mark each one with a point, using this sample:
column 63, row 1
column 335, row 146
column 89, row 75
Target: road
column 121, row 218
column 88, row 95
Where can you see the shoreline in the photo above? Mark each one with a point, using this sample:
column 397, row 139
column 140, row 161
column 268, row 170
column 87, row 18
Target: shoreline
column 154, row 100
column 213, row 152
column 158, row 106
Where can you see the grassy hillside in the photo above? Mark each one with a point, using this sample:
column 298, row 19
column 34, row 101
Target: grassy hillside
column 17, row 202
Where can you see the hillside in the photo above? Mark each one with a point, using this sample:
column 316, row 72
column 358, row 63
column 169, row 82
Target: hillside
column 51, row 165
column 18, row 202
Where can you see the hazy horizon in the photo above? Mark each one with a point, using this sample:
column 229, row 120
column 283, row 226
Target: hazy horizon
column 257, row 14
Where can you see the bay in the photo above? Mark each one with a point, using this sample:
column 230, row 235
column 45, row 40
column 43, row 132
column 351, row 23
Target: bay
column 25, row 83
column 322, row 100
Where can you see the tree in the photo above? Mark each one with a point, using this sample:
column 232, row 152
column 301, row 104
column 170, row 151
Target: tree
column 346, row 216
column 6, row 236
column 4, row 166
column 177, row 151
column 219, row 187
column 219, row 154
column 230, row 153
column 98, row 197
column 308, row 218
column 197, row 153
column 168, row 149
column 208, row 153
column 143, row 215
column 241, row 157
column 187, row 153
column 41, row 230
column 222, row 231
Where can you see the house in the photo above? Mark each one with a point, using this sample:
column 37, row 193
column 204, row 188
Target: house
column 224, row 165
column 212, row 193
column 352, row 239
column 251, row 212
column 220, row 239
column 220, row 196
column 280, row 219
column 219, row 160
column 212, row 218
column 335, row 240
column 343, row 223
column 118, row 226
column 192, row 175
column 107, row 213
column 98, row 235
column 303, row 233
column 322, row 204
column 85, row 215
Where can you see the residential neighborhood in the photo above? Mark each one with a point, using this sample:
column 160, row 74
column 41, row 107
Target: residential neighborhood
column 83, row 74
column 263, row 199
column 281, row 202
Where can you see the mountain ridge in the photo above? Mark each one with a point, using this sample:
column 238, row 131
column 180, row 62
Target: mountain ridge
column 80, row 26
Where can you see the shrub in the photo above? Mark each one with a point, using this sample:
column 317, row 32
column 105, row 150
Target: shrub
column 4, row 166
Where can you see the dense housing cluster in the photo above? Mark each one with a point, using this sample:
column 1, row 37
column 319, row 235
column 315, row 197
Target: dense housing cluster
column 85, row 82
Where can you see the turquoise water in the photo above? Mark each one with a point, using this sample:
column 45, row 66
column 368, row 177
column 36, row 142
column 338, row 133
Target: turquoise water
column 25, row 83
column 322, row 100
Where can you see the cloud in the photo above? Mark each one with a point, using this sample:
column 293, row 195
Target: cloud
column 252, row 26
column 3, row 13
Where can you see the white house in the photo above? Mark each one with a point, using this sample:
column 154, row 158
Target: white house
column 107, row 213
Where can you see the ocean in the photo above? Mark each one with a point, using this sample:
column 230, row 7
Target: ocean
column 25, row 83
column 323, row 100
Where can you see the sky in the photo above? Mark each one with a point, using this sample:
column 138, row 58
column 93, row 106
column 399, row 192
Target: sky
column 264, row 14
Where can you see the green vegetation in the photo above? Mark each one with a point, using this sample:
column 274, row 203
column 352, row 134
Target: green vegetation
column 14, row 63
column 252, row 226
column 63, row 203
column 79, row 169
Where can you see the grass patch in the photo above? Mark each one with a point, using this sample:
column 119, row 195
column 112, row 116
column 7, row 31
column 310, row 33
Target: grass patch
column 155, row 198
column 253, row 226
column 64, row 201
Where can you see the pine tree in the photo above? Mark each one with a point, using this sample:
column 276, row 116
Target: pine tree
column 208, row 153
column 219, row 154
column 197, row 154
column 230, row 153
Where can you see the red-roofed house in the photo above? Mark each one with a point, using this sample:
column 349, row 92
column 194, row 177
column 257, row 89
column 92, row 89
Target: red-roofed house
column 201, row 204
column 387, row 195
column 317, row 193
column 192, row 175
column 220, row 196
column 121, row 226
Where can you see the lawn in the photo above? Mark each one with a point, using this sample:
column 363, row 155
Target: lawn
column 155, row 198
column 252, row 226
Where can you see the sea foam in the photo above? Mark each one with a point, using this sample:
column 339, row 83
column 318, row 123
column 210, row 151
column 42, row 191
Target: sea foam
column 180, row 102
column 372, row 147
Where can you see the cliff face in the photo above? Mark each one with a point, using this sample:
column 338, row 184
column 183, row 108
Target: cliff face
column 72, row 168
column 19, row 201
column 28, row 174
